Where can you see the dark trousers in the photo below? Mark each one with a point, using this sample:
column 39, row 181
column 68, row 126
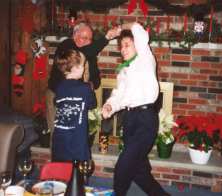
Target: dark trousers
column 140, row 128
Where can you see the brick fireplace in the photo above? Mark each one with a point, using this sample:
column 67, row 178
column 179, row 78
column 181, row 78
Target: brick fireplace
column 196, row 75
column 178, row 170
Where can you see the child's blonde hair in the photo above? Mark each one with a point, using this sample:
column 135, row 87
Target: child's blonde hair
column 71, row 59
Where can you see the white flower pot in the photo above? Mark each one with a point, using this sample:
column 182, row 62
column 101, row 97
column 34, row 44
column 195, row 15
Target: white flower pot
column 199, row 157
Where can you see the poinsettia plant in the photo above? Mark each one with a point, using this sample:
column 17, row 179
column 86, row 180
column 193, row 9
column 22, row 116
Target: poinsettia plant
column 166, row 123
column 199, row 132
column 94, row 120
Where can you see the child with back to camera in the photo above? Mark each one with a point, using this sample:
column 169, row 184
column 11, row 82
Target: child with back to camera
column 74, row 98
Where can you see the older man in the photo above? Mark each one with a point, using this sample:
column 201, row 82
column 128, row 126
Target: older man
column 82, row 40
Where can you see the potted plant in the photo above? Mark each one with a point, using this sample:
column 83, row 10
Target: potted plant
column 200, row 134
column 165, row 139
column 94, row 121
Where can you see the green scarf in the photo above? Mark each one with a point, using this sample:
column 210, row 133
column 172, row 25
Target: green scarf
column 125, row 63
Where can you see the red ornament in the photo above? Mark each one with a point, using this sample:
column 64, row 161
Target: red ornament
column 105, row 22
column 39, row 107
column 131, row 6
column 211, row 19
column 185, row 22
column 18, row 84
column 25, row 17
column 21, row 57
column 40, row 71
column 18, row 74
column 71, row 22
column 158, row 26
column 168, row 23
column 143, row 7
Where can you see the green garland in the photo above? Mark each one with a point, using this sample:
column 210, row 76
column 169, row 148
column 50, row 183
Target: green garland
column 192, row 10
column 186, row 40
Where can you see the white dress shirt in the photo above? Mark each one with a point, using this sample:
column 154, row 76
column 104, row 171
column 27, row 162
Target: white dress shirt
column 137, row 84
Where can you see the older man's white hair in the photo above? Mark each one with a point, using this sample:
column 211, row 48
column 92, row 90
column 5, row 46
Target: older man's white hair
column 78, row 26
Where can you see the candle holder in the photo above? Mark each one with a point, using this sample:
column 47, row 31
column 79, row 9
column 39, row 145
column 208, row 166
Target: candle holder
column 86, row 168
column 103, row 143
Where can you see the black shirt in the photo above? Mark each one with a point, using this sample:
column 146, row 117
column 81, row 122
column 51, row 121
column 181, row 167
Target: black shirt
column 90, row 51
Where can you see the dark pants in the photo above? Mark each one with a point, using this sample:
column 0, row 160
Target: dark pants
column 140, row 128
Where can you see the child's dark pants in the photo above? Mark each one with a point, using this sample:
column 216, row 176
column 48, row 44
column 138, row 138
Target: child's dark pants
column 140, row 128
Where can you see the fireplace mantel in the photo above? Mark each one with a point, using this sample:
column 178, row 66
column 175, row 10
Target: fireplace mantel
column 209, row 45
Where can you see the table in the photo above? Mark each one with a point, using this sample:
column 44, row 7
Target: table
column 90, row 191
column 98, row 191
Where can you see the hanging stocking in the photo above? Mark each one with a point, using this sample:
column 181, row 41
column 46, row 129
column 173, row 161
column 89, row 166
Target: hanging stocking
column 18, row 74
column 40, row 71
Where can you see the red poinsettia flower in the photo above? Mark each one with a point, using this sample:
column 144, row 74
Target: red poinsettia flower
column 199, row 132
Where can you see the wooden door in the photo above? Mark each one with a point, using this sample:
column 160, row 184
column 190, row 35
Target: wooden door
column 5, row 48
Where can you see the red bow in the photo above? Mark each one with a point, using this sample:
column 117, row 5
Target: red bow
column 39, row 107
column 143, row 7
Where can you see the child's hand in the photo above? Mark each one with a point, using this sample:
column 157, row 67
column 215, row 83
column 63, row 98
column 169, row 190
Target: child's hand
column 106, row 111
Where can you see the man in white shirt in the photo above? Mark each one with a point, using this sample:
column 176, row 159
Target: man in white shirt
column 137, row 90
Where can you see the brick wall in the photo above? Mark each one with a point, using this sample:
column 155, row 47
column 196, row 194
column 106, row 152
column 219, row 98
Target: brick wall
column 197, row 77
column 180, row 173
column 195, row 72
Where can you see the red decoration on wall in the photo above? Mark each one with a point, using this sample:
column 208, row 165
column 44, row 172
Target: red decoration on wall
column 18, row 84
column 18, row 74
column 39, row 107
column 185, row 22
column 40, row 71
column 71, row 22
column 131, row 6
column 143, row 7
column 158, row 26
column 105, row 22
column 25, row 17
column 211, row 19
column 168, row 23
column 21, row 57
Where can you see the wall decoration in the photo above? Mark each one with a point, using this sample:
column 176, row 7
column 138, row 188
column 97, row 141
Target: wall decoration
column 211, row 22
column 40, row 71
column 72, row 17
column 18, row 74
column 38, row 47
column 164, row 5
column 142, row 4
column 25, row 16
column 187, row 37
